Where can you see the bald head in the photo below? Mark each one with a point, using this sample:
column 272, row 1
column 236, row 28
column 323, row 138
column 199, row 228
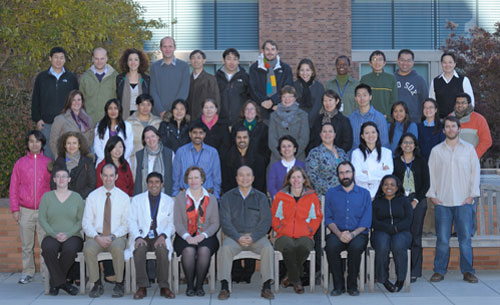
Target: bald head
column 99, row 59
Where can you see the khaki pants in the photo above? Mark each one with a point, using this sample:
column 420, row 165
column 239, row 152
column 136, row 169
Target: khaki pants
column 91, row 249
column 162, row 264
column 429, row 220
column 28, row 225
column 230, row 248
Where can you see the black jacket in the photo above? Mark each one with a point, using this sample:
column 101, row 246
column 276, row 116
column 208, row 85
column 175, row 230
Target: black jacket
column 120, row 82
column 50, row 94
column 83, row 177
column 392, row 216
column 233, row 94
column 218, row 137
column 420, row 170
column 233, row 161
column 343, row 129
column 258, row 139
column 172, row 137
column 167, row 177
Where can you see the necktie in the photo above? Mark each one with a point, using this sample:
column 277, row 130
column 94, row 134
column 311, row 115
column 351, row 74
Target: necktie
column 106, row 225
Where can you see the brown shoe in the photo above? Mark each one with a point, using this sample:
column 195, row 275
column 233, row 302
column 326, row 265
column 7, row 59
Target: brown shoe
column 223, row 294
column 166, row 292
column 298, row 288
column 141, row 293
column 267, row 294
column 437, row 277
column 469, row 277
column 285, row 283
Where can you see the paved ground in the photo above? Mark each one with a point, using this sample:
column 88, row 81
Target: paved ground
column 450, row 291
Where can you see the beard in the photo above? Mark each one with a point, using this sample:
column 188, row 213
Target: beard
column 346, row 182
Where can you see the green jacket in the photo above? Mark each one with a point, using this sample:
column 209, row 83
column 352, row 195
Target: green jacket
column 384, row 91
column 349, row 105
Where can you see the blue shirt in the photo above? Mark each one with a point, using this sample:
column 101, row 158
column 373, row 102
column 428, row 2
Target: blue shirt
column 398, row 132
column 207, row 158
column 357, row 119
column 57, row 75
column 348, row 210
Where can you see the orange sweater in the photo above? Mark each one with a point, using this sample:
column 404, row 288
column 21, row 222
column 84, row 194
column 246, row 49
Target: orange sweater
column 475, row 130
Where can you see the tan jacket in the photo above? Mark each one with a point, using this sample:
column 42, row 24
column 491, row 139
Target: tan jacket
column 211, row 225
column 64, row 123
column 137, row 129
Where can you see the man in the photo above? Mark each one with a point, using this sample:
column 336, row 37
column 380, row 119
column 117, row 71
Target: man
column 245, row 218
column 50, row 93
column 344, row 85
column 385, row 90
column 106, row 226
column 267, row 76
column 365, row 113
column 98, row 84
column 348, row 215
column 474, row 128
column 242, row 153
column 199, row 154
column 412, row 88
column 454, row 176
column 169, row 78
column 233, row 86
column 151, row 226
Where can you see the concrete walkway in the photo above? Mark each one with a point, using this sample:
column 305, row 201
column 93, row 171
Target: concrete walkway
column 450, row 291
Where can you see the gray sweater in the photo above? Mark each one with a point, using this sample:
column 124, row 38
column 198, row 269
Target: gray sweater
column 413, row 90
column 299, row 130
column 168, row 83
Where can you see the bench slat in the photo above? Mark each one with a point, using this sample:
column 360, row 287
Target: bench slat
column 490, row 212
column 480, row 208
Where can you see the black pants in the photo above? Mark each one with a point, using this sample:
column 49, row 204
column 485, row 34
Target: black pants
column 59, row 257
column 416, row 234
column 354, row 250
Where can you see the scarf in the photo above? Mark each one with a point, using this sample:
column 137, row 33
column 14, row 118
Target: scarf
column 72, row 160
column 250, row 125
column 158, row 164
column 306, row 98
column 271, row 87
column 287, row 115
column 196, row 217
column 211, row 123
column 463, row 114
column 327, row 115
column 126, row 96
column 82, row 120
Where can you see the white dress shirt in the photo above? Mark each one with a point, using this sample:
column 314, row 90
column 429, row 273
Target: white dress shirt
column 465, row 84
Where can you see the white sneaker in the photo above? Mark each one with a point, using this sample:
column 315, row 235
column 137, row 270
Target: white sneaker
column 25, row 279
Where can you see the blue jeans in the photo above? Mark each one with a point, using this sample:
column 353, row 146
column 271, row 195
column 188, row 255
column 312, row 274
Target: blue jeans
column 398, row 244
column 462, row 216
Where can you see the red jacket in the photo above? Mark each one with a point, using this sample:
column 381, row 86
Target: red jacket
column 296, row 219
column 125, row 180
column 29, row 181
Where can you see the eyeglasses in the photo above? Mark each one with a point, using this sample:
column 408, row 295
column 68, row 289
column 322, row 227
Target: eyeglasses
column 408, row 143
column 61, row 177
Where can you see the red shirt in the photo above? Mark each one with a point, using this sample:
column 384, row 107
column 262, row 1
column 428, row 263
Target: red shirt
column 125, row 180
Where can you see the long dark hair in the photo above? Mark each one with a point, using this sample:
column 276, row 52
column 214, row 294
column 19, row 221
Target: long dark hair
column 406, row 121
column 399, row 185
column 362, row 143
column 437, row 121
column 110, row 145
column 416, row 150
column 106, row 120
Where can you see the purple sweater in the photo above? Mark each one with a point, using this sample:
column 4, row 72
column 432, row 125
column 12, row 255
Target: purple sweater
column 277, row 174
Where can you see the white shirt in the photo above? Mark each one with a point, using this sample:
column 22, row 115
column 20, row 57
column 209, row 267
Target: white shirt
column 196, row 205
column 375, row 169
column 100, row 144
column 288, row 164
column 466, row 85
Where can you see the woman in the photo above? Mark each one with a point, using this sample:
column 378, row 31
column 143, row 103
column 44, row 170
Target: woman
column 430, row 130
column 140, row 119
column 61, row 213
column 74, row 155
column 113, row 153
column 288, row 149
column 196, row 222
column 296, row 213
column 391, row 221
column 154, row 157
column 30, row 179
column 371, row 161
column 400, row 124
column 412, row 169
column 444, row 87
column 174, row 129
column 309, row 90
column 322, row 161
column 112, row 124
column 133, row 80
column 288, row 119
column 330, row 113
column 72, row 118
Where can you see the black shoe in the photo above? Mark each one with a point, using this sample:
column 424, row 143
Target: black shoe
column 53, row 291
column 118, row 291
column 190, row 292
column 353, row 292
column 389, row 286
column 200, row 292
column 399, row 285
column 413, row 279
column 70, row 289
column 337, row 292
column 97, row 290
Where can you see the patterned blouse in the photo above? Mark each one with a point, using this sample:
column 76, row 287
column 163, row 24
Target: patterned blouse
column 321, row 167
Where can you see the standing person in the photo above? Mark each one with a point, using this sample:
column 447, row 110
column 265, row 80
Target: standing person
column 98, row 84
column 430, row 130
column 50, row 92
column 412, row 88
column 296, row 215
column 370, row 159
column 196, row 222
column 309, row 89
column 445, row 87
column 454, row 171
column 343, row 84
column 383, row 84
column 413, row 171
column 133, row 80
column 348, row 215
column 61, row 213
column 30, row 179
column 268, row 75
column 169, row 78
column 174, row 129
column 151, row 228
column 400, row 124
column 233, row 82
column 105, row 223
column 73, row 118
column 202, row 85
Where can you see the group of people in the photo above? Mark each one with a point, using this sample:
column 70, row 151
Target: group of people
column 160, row 162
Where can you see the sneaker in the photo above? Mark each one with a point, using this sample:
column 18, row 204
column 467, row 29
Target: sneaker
column 25, row 279
column 97, row 290
column 118, row 291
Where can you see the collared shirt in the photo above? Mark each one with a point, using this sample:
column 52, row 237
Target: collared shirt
column 348, row 210
column 242, row 195
column 207, row 158
column 466, row 85
column 370, row 172
column 173, row 63
column 103, row 72
column 93, row 214
column 196, row 205
column 427, row 124
column 57, row 75
column 454, row 173
column 357, row 119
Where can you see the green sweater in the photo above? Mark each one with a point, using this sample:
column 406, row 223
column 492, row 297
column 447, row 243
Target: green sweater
column 347, row 99
column 55, row 216
column 384, row 91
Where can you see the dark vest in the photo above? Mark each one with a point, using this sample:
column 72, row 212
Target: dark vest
column 445, row 93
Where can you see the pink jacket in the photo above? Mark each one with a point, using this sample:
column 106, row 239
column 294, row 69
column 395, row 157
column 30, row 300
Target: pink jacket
column 29, row 181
